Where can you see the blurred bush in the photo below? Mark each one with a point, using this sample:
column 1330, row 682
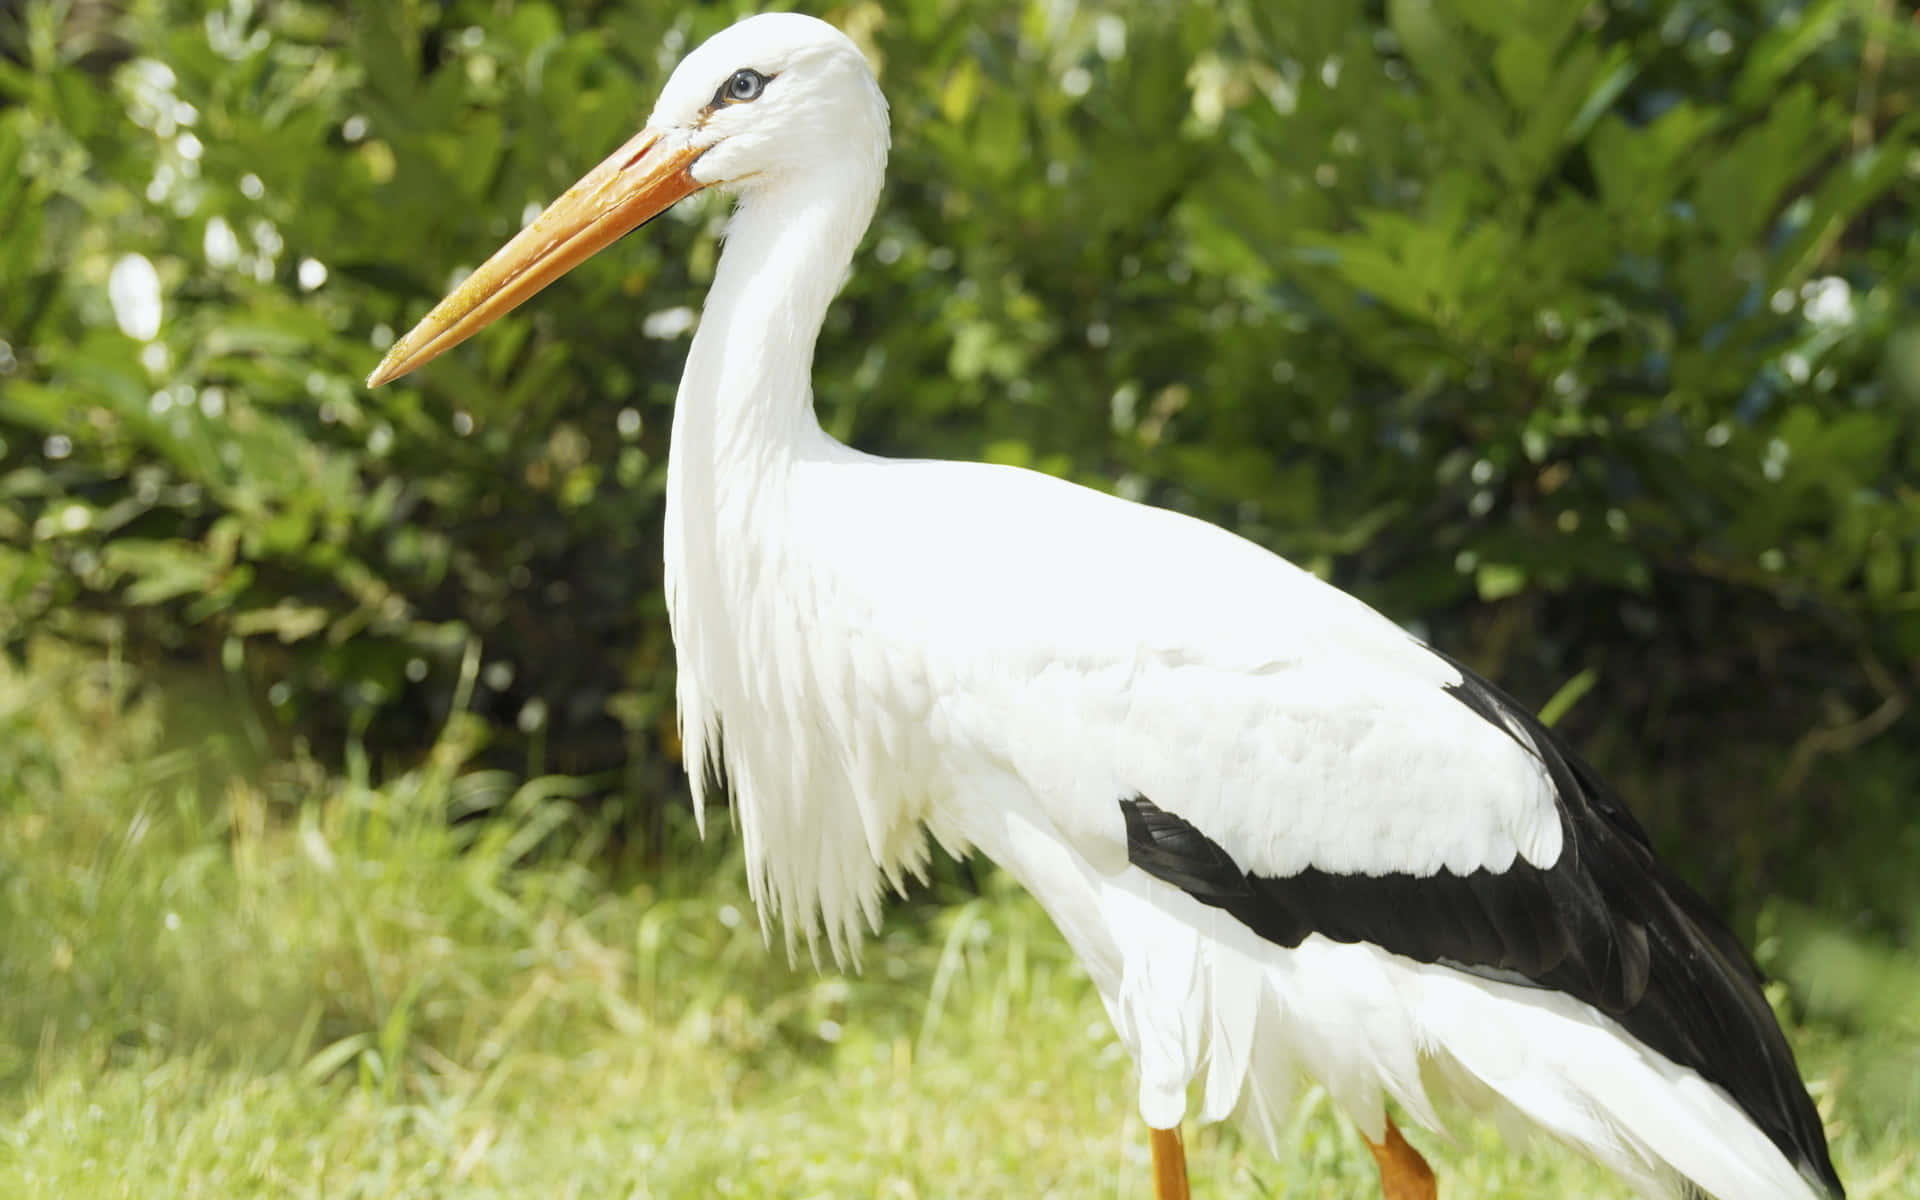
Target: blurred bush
column 1580, row 335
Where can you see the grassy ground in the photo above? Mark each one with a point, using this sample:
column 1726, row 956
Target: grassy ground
column 275, row 983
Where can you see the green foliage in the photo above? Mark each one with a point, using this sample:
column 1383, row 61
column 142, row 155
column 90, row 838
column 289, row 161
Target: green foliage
column 1581, row 334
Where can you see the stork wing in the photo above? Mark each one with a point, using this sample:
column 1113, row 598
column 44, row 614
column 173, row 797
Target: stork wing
column 1184, row 702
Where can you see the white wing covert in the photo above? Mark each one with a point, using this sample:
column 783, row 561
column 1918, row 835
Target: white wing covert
column 1207, row 725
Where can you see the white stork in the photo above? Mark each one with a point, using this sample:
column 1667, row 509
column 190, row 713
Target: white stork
column 1284, row 837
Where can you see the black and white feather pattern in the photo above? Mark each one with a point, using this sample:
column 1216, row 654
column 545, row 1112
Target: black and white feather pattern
column 1605, row 923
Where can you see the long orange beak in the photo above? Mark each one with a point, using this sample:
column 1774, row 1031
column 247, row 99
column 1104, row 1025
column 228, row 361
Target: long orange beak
column 638, row 182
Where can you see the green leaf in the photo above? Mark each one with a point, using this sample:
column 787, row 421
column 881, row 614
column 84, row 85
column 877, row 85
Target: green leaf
column 1497, row 581
column 1568, row 695
column 162, row 570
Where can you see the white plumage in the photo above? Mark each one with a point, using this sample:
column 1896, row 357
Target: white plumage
column 957, row 620
column 874, row 650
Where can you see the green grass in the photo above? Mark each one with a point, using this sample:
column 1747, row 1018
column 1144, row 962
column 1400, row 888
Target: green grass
column 272, row 982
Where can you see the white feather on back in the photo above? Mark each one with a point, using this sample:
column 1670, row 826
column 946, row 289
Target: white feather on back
column 1096, row 650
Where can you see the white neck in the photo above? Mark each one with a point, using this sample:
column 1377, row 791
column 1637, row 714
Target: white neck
column 744, row 417
column 752, row 570
column 746, row 398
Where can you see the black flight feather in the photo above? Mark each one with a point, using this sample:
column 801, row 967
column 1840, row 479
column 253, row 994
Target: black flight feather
column 1606, row 923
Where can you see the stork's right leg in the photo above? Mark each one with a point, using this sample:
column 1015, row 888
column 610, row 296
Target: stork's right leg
column 1169, row 1165
column 1404, row 1175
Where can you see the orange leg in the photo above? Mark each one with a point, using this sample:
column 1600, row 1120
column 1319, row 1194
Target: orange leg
column 1404, row 1175
column 1169, row 1165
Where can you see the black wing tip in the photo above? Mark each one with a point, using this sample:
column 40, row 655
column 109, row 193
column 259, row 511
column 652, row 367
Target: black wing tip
column 1713, row 958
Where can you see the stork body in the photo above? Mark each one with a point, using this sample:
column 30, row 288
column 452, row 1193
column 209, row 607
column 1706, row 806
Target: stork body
column 1284, row 837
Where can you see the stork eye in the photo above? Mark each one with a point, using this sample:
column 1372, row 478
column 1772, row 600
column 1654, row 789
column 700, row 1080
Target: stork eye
column 743, row 85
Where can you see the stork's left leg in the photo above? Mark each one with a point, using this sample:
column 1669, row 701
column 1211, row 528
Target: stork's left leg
column 1169, row 1165
column 1404, row 1175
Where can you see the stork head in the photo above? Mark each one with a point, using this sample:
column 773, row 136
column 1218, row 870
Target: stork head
column 773, row 95
column 771, row 98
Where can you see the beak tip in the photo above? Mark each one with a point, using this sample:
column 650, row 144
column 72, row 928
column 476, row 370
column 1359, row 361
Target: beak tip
column 631, row 187
column 384, row 373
